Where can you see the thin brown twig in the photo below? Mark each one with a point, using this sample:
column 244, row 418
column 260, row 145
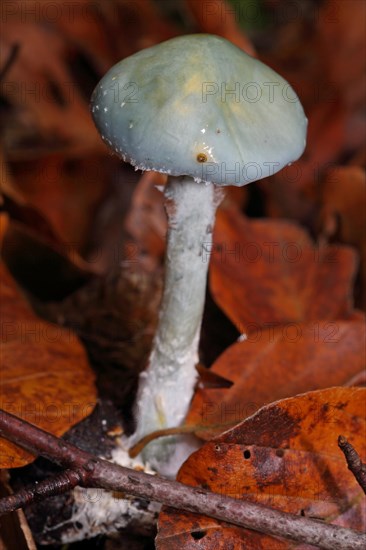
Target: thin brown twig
column 101, row 473
column 355, row 464
column 179, row 430
column 55, row 485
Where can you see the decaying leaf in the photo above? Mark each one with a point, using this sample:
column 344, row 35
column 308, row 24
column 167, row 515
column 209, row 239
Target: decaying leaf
column 46, row 378
column 285, row 456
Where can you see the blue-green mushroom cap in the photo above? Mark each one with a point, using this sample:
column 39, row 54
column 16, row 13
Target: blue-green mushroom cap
column 199, row 106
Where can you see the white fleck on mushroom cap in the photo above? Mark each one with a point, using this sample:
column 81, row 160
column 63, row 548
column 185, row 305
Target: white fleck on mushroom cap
column 197, row 105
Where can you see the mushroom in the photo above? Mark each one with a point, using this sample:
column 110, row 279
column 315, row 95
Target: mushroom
column 207, row 114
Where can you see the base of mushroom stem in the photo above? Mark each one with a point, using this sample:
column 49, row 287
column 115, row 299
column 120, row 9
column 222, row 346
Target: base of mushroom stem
column 166, row 387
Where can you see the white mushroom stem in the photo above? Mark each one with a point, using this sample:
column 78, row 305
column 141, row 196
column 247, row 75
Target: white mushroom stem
column 166, row 387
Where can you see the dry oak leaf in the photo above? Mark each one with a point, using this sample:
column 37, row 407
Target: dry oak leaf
column 285, row 456
column 268, row 272
column 45, row 376
column 301, row 357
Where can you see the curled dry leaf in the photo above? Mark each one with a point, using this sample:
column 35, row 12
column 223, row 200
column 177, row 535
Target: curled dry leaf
column 285, row 456
column 46, row 378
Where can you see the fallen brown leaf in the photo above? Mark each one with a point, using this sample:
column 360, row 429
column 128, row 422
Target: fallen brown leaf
column 278, row 362
column 269, row 272
column 46, row 378
column 285, row 456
